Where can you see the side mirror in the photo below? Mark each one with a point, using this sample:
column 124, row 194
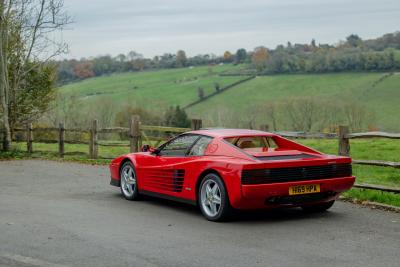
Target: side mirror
column 146, row 148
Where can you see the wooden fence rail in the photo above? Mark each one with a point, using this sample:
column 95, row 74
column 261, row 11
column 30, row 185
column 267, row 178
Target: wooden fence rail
column 304, row 135
column 135, row 133
column 344, row 142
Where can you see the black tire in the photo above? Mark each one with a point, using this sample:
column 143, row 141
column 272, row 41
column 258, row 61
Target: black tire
column 225, row 210
column 132, row 193
column 318, row 207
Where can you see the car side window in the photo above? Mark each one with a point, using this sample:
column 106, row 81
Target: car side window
column 200, row 146
column 178, row 146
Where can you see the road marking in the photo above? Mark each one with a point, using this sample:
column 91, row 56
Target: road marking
column 30, row 261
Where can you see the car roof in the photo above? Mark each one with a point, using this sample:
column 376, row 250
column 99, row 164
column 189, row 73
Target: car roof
column 222, row 132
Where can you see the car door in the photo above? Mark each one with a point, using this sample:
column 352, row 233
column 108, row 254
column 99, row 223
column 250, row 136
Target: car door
column 164, row 172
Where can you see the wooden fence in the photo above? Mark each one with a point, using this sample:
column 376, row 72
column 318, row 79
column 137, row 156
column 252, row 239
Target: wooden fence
column 138, row 132
column 344, row 137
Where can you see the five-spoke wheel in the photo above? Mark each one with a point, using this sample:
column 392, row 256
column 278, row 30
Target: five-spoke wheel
column 128, row 181
column 213, row 198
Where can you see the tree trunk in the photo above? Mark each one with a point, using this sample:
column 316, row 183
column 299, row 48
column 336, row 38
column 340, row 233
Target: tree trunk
column 4, row 77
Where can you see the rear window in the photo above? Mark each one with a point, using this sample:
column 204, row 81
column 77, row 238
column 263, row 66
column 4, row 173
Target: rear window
column 253, row 143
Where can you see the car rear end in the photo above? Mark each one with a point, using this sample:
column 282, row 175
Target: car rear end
column 297, row 182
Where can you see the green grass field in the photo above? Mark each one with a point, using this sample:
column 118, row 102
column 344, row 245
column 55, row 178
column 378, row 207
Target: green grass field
column 360, row 149
column 156, row 90
column 150, row 90
column 383, row 99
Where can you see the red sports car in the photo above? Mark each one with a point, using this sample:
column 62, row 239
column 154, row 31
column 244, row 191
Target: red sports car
column 225, row 169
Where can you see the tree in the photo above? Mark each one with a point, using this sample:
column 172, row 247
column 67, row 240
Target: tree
column 313, row 44
column 123, row 117
column 241, row 55
column 200, row 93
column 353, row 40
column 176, row 117
column 29, row 104
column 217, row 87
column 103, row 65
column 271, row 111
column 27, row 29
column 4, row 83
column 228, row 57
column 181, row 59
column 84, row 70
column 302, row 113
column 132, row 55
column 120, row 58
column 260, row 57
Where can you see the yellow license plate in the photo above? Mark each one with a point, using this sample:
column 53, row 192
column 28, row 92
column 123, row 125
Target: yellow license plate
column 304, row 189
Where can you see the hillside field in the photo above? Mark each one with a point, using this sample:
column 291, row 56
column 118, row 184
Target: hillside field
column 150, row 89
column 156, row 90
column 383, row 99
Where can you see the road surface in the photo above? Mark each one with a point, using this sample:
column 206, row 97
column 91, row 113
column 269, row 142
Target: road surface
column 67, row 214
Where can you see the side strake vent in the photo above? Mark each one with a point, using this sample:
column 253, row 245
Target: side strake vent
column 178, row 178
column 169, row 180
column 279, row 175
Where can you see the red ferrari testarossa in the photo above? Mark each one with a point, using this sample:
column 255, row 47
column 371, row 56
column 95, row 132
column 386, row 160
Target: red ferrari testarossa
column 225, row 169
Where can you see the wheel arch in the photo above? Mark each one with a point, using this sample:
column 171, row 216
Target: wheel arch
column 204, row 174
column 123, row 161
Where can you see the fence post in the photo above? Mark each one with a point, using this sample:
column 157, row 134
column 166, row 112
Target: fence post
column 61, row 139
column 134, row 133
column 29, row 138
column 1, row 139
column 197, row 124
column 93, row 150
column 264, row 127
column 344, row 144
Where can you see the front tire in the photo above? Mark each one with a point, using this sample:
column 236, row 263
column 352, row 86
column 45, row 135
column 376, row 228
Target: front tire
column 129, row 181
column 318, row 207
column 213, row 198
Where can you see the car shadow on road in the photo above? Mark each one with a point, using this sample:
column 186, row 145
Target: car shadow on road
column 166, row 204
column 281, row 215
column 248, row 216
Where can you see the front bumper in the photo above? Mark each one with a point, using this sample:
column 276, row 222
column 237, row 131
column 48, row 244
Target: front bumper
column 277, row 194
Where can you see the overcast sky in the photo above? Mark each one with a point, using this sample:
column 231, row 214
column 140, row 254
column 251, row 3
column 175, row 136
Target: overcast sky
column 153, row 27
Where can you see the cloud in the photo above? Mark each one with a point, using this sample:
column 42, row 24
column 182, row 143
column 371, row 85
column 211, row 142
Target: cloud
column 155, row 26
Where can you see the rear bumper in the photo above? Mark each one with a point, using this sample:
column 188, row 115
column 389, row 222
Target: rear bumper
column 277, row 194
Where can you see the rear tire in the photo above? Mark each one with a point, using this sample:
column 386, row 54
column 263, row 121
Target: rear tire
column 129, row 181
column 213, row 199
column 318, row 207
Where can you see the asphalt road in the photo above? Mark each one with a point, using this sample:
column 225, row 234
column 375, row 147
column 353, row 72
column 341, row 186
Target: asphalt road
column 66, row 214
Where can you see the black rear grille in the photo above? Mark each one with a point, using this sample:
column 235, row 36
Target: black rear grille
column 300, row 199
column 279, row 175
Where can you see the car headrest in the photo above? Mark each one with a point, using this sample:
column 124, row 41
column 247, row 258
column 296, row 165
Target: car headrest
column 246, row 144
